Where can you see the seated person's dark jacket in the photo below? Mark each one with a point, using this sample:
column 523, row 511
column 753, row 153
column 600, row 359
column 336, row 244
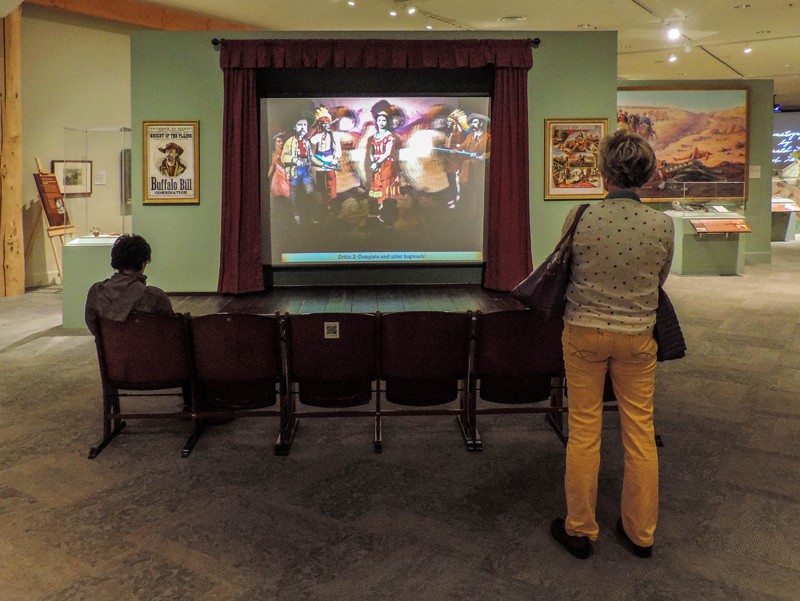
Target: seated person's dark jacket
column 122, row 295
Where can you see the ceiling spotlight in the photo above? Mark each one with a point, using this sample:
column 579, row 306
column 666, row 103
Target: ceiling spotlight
column 743, row 6
column 674, row 33
column 411, row 10
column 429, row 26
column 585, row 26
column 351, row 2
column 392, row 13
column 747, row 50
column 672, row 58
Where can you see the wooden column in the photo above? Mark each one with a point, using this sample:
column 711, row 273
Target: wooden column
column 12, row 258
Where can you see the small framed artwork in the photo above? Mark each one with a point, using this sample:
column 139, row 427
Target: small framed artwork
column 170, row 162
column 571, row 170
column 74, row 177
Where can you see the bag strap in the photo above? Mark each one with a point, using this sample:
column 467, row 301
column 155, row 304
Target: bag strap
column 571, row 231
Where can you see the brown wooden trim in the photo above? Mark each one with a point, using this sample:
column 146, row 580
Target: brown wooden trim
column 143, row 14
column 12, row 258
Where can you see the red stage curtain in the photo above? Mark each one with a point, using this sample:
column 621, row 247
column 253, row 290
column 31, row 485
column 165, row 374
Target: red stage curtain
column 508, row 255
column 240, row 249
column 508, row 239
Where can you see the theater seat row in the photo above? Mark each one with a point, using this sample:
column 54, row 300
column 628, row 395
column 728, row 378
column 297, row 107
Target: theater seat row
column 323, row 365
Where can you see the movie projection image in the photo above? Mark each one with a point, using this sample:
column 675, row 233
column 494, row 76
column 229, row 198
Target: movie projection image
column 375, row 180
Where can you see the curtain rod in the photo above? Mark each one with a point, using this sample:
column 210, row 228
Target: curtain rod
column 216, row 42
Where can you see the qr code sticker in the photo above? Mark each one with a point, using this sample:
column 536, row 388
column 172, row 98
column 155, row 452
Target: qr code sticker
column 331, row 329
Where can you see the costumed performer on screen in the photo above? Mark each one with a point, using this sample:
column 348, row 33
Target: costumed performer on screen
column 383, row 168
column 278, row 182
column 472, row 174
column 326, row 152
column 296, row 157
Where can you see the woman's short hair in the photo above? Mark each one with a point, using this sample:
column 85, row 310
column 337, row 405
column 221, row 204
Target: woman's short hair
column 130, row 251
column 626, row 159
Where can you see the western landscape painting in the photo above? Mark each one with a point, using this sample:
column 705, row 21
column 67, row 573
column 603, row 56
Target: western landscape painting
column 699, row 137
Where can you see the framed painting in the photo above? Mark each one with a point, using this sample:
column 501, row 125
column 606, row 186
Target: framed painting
column 170, row 162
column 700, row 138
column 571, row 171
column 74, row 177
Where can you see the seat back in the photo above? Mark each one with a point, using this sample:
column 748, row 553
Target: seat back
column 144, row 352
column 237, row 360
column 424, row 354
column 333, row 357
column 516, row 353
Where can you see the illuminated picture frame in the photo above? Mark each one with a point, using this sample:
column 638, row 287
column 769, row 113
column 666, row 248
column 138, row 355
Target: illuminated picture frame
column 700, row 138
column 170, row 162
column 571, row 170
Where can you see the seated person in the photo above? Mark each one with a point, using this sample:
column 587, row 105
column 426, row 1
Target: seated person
column 126, row 291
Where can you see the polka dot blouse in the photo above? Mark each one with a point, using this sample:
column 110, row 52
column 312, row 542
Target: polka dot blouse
column 621, row 252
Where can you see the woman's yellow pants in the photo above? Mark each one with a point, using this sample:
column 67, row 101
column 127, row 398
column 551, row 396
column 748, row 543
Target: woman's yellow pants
column 631, row 362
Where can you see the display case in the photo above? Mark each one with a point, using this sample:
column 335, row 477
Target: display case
column 708, row 242
column 95, row 178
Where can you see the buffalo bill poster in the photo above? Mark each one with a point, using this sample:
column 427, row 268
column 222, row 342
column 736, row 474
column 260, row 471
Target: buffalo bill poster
column 170, row 162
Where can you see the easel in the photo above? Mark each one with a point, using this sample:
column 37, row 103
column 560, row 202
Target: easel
column 55, row 212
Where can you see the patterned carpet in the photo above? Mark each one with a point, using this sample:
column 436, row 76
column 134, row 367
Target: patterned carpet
column 424, row 519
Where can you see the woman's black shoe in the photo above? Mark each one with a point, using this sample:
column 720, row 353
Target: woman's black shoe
column 638, row 550
column 578, row 546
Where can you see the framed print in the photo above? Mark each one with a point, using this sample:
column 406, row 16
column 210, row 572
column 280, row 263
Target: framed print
column 571, row 171
column 74, row 177
column 700, row 137
column 170, row 162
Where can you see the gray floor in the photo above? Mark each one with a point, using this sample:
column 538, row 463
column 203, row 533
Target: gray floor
column 423, row 520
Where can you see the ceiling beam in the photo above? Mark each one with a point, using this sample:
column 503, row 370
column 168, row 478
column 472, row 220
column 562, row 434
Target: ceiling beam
column 142, row 14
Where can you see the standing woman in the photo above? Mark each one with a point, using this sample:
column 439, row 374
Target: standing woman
column 382, row 161
column 621, row 254
column 279, row 183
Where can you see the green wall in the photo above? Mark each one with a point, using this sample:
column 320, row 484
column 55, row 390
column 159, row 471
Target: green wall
column 574, row 76
column 759, row 190
column 177, row 76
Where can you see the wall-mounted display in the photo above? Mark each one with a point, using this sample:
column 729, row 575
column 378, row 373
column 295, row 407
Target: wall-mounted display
column 74, row 177
column 571, row 170
column 170, row 162
column 700, row 137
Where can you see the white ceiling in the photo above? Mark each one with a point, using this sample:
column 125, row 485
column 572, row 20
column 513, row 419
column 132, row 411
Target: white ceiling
column 715, row 32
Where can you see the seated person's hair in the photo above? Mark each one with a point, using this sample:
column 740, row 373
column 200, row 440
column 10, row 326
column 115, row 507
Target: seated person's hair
column 130, row 251
column 626, row 159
